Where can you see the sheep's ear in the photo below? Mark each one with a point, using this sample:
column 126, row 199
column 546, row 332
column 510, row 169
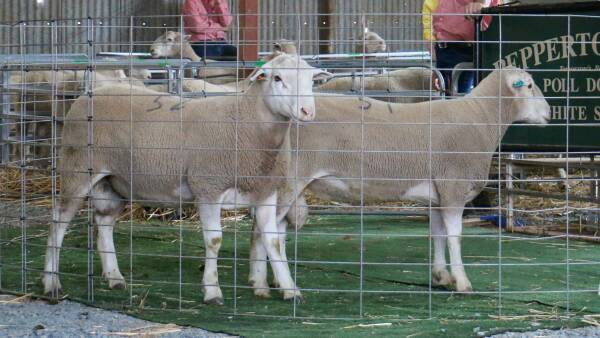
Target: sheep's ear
column 186, row 37
column 321, row 75
column 259, row 75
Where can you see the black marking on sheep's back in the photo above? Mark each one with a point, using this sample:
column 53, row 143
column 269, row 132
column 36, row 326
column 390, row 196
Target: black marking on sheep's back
column 158, row 104
column 179, row 105
column 366, row 105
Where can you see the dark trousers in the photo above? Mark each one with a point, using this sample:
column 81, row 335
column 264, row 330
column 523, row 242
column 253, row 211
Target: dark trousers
column 449, row 55
column 215, row 50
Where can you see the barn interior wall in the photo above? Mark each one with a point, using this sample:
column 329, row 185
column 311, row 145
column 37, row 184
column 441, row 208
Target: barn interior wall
column 111, row 20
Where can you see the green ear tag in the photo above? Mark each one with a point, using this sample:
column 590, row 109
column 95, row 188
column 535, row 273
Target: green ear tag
column 260, row 63
column 519, row 84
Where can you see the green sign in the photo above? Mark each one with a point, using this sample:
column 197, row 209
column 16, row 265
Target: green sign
column 562, row 52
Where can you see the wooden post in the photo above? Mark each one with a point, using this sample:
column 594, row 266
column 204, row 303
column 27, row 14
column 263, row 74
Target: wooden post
column 325, row 25
column 248, row 44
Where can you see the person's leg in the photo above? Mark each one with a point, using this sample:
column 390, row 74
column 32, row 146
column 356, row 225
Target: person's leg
column 443, row 63
column 448, row 58
column 208, row 49
column 229, row 51
column 199, row 48
column 221, row 50
column 467, row 78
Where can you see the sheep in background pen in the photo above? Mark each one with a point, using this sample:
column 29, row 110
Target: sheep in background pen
column 43, row 104
column 191, row 150
column 370, row 42
column 401, row 80
column 436, row 152
column 175, row 45
column 199, row 85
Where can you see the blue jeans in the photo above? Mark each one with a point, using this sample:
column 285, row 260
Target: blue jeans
column 215, row 49
column 450, row 56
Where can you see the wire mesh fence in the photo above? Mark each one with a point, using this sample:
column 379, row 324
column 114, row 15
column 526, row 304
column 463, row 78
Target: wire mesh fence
column 177, row 167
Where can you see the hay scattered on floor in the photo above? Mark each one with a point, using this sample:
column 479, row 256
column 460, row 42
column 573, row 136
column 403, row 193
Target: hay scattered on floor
column 38, row 188
column 39, row 185
column 534, row 315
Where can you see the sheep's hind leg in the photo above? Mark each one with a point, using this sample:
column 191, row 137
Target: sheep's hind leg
column 296, row 216
column 281, row 232
column 107, row 207
column 73, row 191
column 210, row 216
column 258, row 265
column 452, row 217
column 266, row 221
column 440, row 273
column 295, row 219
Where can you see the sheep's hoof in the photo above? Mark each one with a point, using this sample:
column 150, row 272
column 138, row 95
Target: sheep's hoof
column 117, row 285
column 294, row 296
column 262, row 293
column 464, row 289
column 57, row 293
column 214, row 301
column 442, row 278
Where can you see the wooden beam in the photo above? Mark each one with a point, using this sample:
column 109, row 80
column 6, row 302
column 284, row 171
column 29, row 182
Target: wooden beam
column 325, row 24
column 249, row 20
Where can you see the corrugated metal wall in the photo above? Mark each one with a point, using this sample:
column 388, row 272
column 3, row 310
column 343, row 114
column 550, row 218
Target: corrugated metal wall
column 395, row 20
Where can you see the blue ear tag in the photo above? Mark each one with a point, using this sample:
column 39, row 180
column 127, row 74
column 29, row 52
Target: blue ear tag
column 519, row 84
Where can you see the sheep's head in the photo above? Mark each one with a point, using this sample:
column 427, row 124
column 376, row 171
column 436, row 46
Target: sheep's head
column 373, row 43
column 528, row 102
column 168, row 44
column 285, row 46
column 140, row 73
column 286, row 83
column 281, row 46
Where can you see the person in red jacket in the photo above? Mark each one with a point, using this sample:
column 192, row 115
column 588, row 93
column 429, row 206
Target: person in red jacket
column 206, row 21
column 454, row 32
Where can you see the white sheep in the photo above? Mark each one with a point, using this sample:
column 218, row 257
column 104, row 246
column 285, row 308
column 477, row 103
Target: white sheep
column 195, row 151
column 44, row 104
column 401, row 80
column 370, row 42
column 199, row 85
column 436, row 152
column 175, row 45
column 285, row 46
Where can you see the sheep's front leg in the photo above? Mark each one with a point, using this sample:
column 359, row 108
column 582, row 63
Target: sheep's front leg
column 258, row 265
column 210, row 217
column 452, row 217
column 440, row 273
column 266, row 222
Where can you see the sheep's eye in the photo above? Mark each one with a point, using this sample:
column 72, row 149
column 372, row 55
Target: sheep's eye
column 277, row 78
column 170, row 40
column 530, row 86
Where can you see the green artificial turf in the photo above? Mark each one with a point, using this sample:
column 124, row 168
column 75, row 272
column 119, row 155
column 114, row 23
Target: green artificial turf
column 165, row 273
